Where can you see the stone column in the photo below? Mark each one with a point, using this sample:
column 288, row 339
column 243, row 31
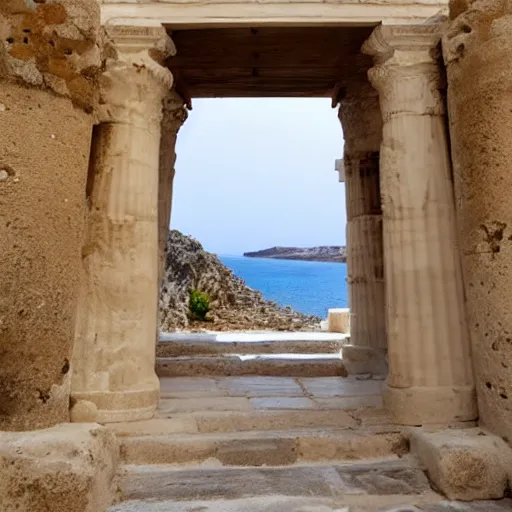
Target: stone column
column 430, row 375
column 174, row 115
column 49, row 66
column 478, row 51
column 361, row 120
column 114, row 360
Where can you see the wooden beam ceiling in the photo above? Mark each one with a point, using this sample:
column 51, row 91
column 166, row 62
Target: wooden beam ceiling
column 267, row 62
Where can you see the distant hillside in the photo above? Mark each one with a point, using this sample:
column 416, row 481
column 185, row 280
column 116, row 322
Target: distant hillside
column 334, row 253
column 234, row 306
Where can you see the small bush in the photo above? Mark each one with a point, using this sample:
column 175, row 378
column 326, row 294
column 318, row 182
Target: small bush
column 198, row 304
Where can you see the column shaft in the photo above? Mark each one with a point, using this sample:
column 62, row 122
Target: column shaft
column 174, row 115
column 362, row 128
column 114, row 358
column 44, row 149
column 430, row 376
column 477, row 50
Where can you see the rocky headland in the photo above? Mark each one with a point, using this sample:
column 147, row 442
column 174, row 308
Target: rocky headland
column 234, row 306
column 333, row 253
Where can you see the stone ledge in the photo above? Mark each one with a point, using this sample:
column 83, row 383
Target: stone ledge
column 339, row 320
column 70, row 468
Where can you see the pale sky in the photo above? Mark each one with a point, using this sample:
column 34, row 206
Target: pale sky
column 255, row 173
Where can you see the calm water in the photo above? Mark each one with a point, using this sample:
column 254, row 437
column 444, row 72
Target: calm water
column 307, row 286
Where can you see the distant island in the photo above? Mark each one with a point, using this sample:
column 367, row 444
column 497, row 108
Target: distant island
column 333, row 253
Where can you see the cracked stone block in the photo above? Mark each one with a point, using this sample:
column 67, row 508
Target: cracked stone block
column 68, row 468
column 466, row 464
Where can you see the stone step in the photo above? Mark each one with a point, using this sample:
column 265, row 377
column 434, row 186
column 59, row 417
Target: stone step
column 192, row 347
column 240, row 421
column 369, row 486
column 279, row 365
column 348, row 503
column 264, row 448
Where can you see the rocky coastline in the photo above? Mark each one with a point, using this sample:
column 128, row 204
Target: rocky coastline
column 332, row 253
column 234, row 305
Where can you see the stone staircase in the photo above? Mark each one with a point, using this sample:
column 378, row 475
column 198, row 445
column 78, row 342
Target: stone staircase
column 267, row 442
column 272, row 354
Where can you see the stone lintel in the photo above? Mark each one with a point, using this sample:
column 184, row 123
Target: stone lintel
column 218, row 13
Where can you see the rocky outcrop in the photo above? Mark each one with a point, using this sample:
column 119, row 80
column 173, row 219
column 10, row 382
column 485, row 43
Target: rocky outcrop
column 334, row 253
column 233, row 304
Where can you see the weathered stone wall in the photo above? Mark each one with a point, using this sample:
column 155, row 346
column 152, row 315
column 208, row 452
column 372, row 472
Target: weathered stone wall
column 478, row 52
column 49, row 58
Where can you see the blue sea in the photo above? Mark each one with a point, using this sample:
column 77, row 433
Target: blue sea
column 307, row 286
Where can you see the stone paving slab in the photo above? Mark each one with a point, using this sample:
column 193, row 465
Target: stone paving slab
column 262, row 386
column 269, row 386
column 273, row 420
column 349, row 402
column 329, row 387
column 283, row 403
column 265, row 504
column 230, row 483
column 186, row 387
column 382, row 478
column 200, row 394
column 215, row 403
column 288, row 504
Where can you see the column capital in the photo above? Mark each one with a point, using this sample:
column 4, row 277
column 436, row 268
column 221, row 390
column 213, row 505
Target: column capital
column 403, row 45
column 360, row 117
column 136, row 79
column 407, row 72
column 174, row 112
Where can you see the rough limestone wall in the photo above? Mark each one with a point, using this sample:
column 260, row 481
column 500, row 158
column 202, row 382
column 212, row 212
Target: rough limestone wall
column 478, row 54
column 234, row 304
column 49, row 59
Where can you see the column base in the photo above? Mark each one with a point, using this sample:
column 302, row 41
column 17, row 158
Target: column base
column 431, row 405
column 358, row 360
column 118, row 406
column 70, row 467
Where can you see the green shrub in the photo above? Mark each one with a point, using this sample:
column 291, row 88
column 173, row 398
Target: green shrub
column 198, row 304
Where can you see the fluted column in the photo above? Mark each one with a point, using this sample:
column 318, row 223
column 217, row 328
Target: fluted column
column 478, row 51
column 174, row 115
column 361, row 120
column 114, row 375
column 430, row 375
